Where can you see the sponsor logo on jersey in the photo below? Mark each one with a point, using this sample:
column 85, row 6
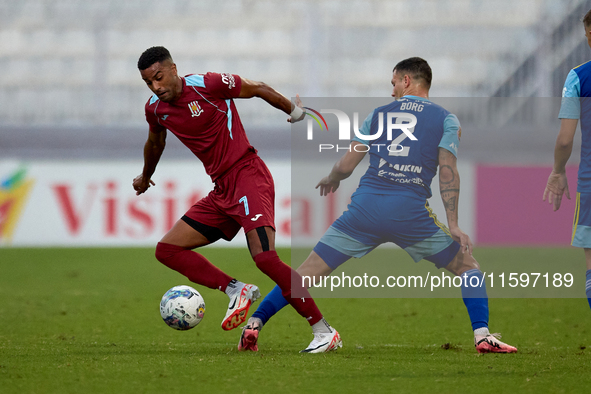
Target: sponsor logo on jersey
column 403, row 167
column 196, row 110
column 256, row 217
column 14, row 191
column 228, row 79
column 164, row 117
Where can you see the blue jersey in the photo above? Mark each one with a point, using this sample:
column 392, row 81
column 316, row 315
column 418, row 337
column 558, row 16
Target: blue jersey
column 578, row 84
column 406, row 159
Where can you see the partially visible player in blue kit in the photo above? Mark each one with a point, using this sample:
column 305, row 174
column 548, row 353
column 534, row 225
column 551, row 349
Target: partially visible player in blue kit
column 390, row 204
column 577, row 85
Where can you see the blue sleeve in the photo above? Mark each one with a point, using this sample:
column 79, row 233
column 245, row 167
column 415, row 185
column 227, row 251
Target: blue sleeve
column 570, row 107
column 451, row 134
column 365, row 129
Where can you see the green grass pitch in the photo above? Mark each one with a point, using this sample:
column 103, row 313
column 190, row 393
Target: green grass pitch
column 87, row 321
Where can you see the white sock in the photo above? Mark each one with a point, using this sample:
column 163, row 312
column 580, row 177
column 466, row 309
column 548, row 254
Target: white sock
column 321, row 327
column 483, row 331
column 234, row 287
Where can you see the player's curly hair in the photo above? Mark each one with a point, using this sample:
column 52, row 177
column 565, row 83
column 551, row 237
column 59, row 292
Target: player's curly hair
column 587, row 19
column 153, row 55
column 417, row 67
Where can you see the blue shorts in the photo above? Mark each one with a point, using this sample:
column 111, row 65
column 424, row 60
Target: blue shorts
column 374, row 219
column 582, row 222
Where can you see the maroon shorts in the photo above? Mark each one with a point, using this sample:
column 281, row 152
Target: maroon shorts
column 242, row 197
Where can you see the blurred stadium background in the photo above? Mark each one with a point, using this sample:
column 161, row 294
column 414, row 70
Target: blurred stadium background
column 70, row 92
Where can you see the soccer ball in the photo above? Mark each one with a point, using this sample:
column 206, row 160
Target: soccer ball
column 182, row 307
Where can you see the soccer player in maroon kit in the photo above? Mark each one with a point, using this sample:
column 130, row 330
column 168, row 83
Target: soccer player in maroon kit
column 200, row 111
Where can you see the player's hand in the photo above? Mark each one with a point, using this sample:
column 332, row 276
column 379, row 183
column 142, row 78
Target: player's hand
column 140, row 184
column 462, row 238
column 557, row 186
column 327, row 185
column 298, row 103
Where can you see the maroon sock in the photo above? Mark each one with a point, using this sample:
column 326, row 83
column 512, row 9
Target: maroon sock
column 282, row 274
column 193, row 265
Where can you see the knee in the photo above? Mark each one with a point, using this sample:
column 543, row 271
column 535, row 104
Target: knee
column 165, row 251
column 161, row 253
column 255, row 250
column 260, row 240
column 264, row 260
column 467, row 267
column 461, row 263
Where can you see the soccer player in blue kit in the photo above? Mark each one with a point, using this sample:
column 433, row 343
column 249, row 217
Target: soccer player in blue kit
column 390, row 204
column 577, row 85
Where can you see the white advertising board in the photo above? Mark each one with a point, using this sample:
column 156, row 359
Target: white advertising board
column 80, row 203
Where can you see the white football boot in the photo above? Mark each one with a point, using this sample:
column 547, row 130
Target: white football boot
column 240, row 302
column 324, row 342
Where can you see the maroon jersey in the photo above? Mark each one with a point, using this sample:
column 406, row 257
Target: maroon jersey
column 205, row 119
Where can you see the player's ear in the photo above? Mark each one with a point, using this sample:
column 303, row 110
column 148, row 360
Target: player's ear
column 407, row 80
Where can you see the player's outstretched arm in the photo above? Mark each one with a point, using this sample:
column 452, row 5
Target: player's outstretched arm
column 557, row 184
column 449, row 188
column 153, row 149
column 341, row 170
column 251, row 89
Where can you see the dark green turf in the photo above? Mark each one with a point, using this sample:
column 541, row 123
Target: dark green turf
column 87, row 321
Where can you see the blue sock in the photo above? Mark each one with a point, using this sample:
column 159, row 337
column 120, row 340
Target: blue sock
column 271, row 304
column 475, row 298
column 588, row 287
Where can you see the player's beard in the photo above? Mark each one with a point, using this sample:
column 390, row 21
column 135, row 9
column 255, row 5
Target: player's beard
column 165, row 96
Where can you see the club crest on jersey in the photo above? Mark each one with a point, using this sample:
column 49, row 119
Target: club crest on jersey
column 196, row 110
